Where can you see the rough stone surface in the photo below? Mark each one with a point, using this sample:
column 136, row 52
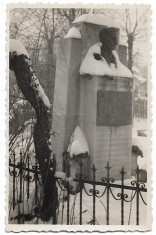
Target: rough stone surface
column 75, row 103
column 65, row 95
column 113, row 144
column 105, row 142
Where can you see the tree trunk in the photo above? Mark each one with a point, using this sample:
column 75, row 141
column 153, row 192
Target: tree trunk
column 28, row 83
column 130, row 51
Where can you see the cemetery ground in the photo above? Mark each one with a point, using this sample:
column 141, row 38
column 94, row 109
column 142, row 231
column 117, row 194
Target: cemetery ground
column 87, row 202
column 87, row 207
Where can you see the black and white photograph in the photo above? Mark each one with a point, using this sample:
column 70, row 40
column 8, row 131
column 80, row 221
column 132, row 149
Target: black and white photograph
column 79, row 115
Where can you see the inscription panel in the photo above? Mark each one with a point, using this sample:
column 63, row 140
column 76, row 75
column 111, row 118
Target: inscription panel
column 114, row 108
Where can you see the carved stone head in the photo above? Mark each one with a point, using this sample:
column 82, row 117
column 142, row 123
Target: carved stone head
column 109, row 37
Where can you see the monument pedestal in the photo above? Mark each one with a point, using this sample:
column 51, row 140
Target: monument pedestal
column 105, row 117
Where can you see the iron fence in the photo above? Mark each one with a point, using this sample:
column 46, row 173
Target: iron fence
column 140, row 109
column 28, row 173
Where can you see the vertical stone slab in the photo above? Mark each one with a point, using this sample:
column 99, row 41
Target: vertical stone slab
column 87, row 111
column 123, row 55
column 109, row 141
column 66, row 95
column 115, row 130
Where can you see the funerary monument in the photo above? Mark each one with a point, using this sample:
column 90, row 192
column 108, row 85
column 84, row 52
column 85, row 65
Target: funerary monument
column 93, row 91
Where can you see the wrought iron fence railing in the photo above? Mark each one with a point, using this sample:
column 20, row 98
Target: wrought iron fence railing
column 28, row 173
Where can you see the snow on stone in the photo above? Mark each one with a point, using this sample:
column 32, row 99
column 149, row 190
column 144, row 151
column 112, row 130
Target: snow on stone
column 17, row 46
column 98, row 19
column 78, row 143
column 142, row 163
column 121, row 42
column 73, row 33
column 100, row 67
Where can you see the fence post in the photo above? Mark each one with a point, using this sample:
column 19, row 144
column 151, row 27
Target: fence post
column 36, row 178
column 68, row 195
column 28, row 177
column 94, row 192
column 107, row 213
column 14, row 182
column 55, row 192
column 122, row 195
column 80, row 181
column 21, row 175
column 137, row 195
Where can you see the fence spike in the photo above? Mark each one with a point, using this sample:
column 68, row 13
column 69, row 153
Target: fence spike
column 108, row 166
column 122, row 171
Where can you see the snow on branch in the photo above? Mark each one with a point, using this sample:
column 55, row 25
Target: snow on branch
column 15, row 46
column 28, row 83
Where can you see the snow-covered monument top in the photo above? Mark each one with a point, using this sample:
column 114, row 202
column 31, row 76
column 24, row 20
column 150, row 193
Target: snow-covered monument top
column 93, row 94
column 99, row 66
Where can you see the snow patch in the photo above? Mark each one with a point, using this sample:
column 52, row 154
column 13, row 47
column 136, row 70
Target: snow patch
column 78, row 143
column 40, row 92
column 98, row 19
column 121, row 42
column 142, row 163
column 60, row 175
column 17, row 46
column 30, row 121
column 141, row 142
column 100, row 67
column 101, row 207
column 73, row 33
column 43, row 96
column 140, row 78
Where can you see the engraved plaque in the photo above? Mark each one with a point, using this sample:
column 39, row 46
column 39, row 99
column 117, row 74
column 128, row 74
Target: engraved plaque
column 114, row 108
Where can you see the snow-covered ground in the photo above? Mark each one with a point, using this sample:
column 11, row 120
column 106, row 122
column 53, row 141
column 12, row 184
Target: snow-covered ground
column 140, row 141
column 115, row 208
column 138, row 124
column 87, row 201
column 87, row 208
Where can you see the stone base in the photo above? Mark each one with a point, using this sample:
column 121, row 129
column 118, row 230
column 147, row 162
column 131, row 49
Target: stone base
column 110, row 139
column 113, row 144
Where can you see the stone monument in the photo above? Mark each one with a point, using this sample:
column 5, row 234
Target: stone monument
column 93, row 90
